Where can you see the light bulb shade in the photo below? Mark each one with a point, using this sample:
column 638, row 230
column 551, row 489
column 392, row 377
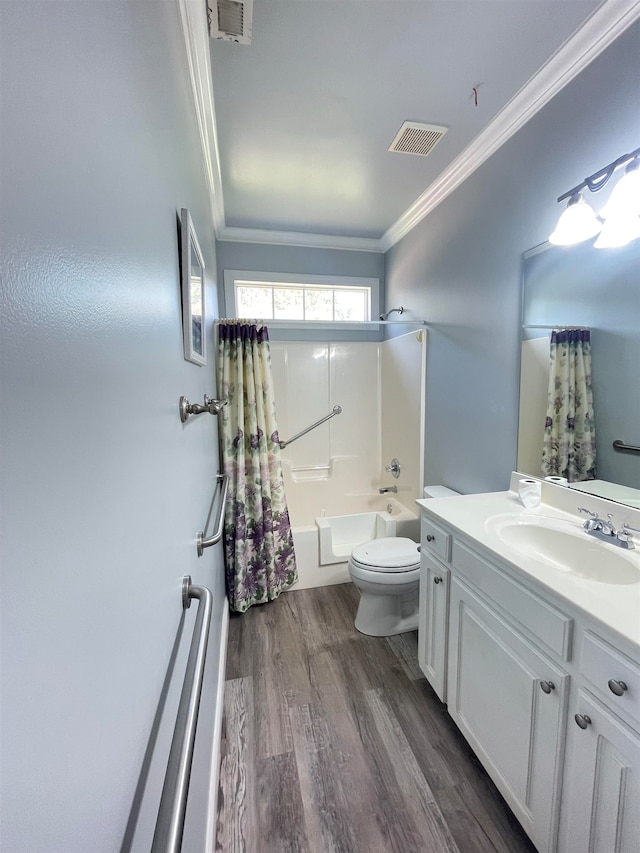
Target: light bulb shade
column 576, row 224
column 618, row 231
column 625, row 197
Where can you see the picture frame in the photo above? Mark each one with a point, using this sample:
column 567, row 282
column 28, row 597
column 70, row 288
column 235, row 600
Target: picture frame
column 193, row 286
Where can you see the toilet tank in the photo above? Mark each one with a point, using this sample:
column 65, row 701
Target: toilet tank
column 439, row 492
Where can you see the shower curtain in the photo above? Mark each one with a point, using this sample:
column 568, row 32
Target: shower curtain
column 260, row 560
column 569, row 448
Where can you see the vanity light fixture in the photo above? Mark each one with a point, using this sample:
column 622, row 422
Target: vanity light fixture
column 618, row 231
column 619, row 221
column 577, row 222
column 621, row 213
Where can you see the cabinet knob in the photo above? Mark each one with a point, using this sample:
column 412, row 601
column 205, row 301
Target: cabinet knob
column 437, row 579
column 547, row 686
column 582, row 720
column 617, row 687
column 430, row 537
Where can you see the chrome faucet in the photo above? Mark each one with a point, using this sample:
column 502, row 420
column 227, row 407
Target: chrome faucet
column 384, row 489
column 394, row 468
column 603, row 529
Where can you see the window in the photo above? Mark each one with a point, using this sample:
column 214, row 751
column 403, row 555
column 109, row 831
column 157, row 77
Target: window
column 306, row 299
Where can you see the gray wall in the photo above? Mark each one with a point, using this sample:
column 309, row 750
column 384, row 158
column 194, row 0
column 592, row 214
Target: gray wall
column 461, row 267
column 102, row 489
column 297, row 259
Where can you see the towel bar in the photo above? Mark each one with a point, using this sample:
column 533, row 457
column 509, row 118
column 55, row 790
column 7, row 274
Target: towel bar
column 336, row 411
column 620, row 445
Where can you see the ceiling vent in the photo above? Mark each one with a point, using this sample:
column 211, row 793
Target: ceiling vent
column 416, row 138
column 231, row 20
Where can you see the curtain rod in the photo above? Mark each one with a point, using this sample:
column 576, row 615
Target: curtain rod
column 559, row 328
column 310, row 324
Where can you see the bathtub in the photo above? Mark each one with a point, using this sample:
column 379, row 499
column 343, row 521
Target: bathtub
column 323, row 544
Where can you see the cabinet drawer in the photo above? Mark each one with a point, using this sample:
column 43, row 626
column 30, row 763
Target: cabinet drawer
column 435, row 539
column 609, row 670
column 548, row 626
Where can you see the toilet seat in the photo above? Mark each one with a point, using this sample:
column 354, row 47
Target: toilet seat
column 389, row 555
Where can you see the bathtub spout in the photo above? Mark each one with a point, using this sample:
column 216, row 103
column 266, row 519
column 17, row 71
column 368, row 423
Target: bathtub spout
column 384, row 489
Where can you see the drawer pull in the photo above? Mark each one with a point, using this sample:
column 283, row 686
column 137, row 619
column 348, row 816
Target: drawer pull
column 430, row 537
column 437, row 579
column 583, row 720
column 547, row 686
column 617, row 687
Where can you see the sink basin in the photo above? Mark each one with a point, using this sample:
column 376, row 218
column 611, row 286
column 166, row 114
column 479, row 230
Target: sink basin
column 566, row 548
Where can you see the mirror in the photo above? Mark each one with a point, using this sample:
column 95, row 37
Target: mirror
column 599, row 289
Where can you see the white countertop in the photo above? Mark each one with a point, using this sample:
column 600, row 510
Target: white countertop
column 616, row 606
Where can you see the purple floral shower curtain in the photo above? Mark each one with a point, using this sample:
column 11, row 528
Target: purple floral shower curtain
column 569, row 448
column 260, row 560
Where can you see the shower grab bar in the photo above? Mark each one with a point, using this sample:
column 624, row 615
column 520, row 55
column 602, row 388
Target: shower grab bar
column 201, row 542
column 620, row 445
column 336, row 411
column 167, row 837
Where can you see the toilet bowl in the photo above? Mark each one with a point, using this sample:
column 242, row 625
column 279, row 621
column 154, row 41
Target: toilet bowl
column 387, row 573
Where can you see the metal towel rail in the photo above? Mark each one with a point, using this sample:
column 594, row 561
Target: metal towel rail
column 336, row 411
column 167, row 837
column 620, row 445
column 201, row 542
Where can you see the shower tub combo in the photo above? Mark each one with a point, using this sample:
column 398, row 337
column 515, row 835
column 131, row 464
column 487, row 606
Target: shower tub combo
column 339, row 438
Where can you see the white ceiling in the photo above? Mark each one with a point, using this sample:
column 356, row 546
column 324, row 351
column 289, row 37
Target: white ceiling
column 305, row 114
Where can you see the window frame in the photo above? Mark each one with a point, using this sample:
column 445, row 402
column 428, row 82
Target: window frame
column 304, row 280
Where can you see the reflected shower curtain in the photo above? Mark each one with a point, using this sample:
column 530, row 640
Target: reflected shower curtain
column 260, row 560
column 569, row 448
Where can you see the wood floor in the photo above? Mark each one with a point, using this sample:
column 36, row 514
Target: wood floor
column 333, row 742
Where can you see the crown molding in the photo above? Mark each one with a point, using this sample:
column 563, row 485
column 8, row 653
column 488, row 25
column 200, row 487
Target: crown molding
column 608, row 21
column 299, row 238
column 602, row 28
column 193, row 14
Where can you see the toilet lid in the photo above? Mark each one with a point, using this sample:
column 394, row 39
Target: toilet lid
column 393, row 553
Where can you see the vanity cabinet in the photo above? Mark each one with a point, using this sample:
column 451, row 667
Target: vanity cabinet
column 509, row 700
column 549, row 702
column 602, row 785
column 486, row 646
column 435, row 553
column 432, row 629
column 602, row 792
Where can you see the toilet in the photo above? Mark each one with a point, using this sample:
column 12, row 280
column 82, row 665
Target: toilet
column 387, row 574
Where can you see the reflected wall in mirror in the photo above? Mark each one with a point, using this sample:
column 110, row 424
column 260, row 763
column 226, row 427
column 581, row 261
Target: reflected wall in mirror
column 600, row 290
column 192, row 282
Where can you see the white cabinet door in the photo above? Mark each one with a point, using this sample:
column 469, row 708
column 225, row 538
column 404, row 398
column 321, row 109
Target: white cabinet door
column 602, row 792
column 509, row 700
column 432, row 625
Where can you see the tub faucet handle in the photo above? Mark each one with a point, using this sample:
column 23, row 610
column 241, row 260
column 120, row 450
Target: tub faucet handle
column 394, row 468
